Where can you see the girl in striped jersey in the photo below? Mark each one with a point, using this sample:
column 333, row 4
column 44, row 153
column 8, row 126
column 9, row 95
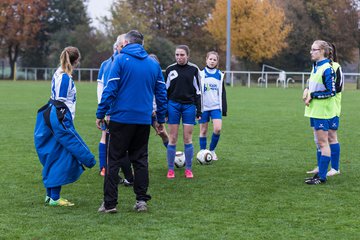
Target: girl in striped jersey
column 333, row 140
column 102, row 81
column 61, row 150
column 214, row 101
column 154, row 123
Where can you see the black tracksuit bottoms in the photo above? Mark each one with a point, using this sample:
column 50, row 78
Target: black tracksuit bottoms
column 127, row 140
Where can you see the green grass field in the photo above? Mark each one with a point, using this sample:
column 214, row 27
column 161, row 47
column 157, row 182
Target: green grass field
column 255, row 190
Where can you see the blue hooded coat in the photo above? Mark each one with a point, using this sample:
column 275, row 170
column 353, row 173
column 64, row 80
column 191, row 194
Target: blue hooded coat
column 134, row 80
column 61, row 150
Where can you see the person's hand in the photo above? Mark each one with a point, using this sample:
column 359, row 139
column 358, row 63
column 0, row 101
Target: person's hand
column 160, row 128
column 155, row 126
column 198, row 116
column 305, row 94
column 307, row 100
column 99, row 122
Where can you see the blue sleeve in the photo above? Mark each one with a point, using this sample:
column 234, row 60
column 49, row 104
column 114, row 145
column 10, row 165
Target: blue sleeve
column 160, row 97
column 328, row 80
column 64, row 86
column 66, row 135
column 107, row 69
column 101, row 71
column 110, row 91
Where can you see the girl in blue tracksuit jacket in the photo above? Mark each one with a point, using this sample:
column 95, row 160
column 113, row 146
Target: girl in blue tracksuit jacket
column 61, row 150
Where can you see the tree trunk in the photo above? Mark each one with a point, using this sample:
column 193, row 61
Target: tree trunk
column 13, row 52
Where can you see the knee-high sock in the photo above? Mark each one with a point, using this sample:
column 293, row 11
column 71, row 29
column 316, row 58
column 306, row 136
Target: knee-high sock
column 323, row 166
column 318, row 156
column 214, row 141
column 55, row 193
column 189, row 152
column 102, row 155
column 171, row 150
column 335, row 156
column 202, row 142
column 166, row 144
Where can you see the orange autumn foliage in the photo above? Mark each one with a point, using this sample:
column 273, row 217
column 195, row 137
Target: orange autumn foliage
column 20, row 21
column 258, row 28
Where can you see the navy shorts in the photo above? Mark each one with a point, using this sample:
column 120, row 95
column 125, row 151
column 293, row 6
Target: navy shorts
column 185, row 112
column 325, row 124
column 213, row 114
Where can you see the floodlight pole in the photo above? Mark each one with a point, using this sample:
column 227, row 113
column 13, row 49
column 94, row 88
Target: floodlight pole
column 228, row 43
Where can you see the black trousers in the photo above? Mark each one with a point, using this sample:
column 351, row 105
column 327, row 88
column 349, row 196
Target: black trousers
column 127, row 140
column 125, row 165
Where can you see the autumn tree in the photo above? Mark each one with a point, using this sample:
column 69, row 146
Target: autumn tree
column 20, row 21
column 258, row 28
column 66, row 23
column 174, row 19
column 335, row 21
column 171, row 22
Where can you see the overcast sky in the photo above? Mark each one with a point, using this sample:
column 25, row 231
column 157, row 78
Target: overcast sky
column 98, row 8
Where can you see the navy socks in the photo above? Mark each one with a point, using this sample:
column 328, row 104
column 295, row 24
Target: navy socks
column 335, row 156
column 189, row 153
column 102, row 155
column 171, row 150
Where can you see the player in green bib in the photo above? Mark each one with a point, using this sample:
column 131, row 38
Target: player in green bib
column 333, row 140
column 320, row 104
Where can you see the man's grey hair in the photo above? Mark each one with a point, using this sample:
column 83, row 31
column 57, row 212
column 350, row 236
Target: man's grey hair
column 134, row 36
column 120, row 40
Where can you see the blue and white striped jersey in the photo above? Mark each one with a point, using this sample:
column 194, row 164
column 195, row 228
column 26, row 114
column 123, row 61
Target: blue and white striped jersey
column 63, row 89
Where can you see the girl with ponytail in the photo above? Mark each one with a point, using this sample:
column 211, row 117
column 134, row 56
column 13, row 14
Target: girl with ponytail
column 333, row 140
column 320, row 107
column 69, row 59
column 61, row 150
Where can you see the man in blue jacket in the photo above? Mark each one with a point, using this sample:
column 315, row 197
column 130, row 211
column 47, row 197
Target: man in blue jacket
column 134, row 79
column 102, row 82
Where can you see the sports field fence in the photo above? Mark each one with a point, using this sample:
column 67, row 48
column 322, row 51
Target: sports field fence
column 282, row 79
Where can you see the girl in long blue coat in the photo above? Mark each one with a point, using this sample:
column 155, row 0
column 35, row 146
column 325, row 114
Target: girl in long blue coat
column 61, row 150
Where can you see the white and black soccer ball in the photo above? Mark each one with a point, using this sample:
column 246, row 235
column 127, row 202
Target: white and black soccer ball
column 204, row 157
column 179, row 159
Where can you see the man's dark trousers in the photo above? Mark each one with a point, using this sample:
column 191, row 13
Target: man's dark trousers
column 132, row 139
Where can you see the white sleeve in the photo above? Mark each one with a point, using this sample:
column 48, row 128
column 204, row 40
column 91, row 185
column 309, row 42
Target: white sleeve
column 100, row 89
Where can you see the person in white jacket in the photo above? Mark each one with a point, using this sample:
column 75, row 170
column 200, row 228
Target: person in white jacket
column 214, row 102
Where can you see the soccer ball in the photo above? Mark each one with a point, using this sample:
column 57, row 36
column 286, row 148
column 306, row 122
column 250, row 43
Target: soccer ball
column 179, row 159
column 204, row 157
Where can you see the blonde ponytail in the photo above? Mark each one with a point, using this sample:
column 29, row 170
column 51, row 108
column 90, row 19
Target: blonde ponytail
column 69, row 57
